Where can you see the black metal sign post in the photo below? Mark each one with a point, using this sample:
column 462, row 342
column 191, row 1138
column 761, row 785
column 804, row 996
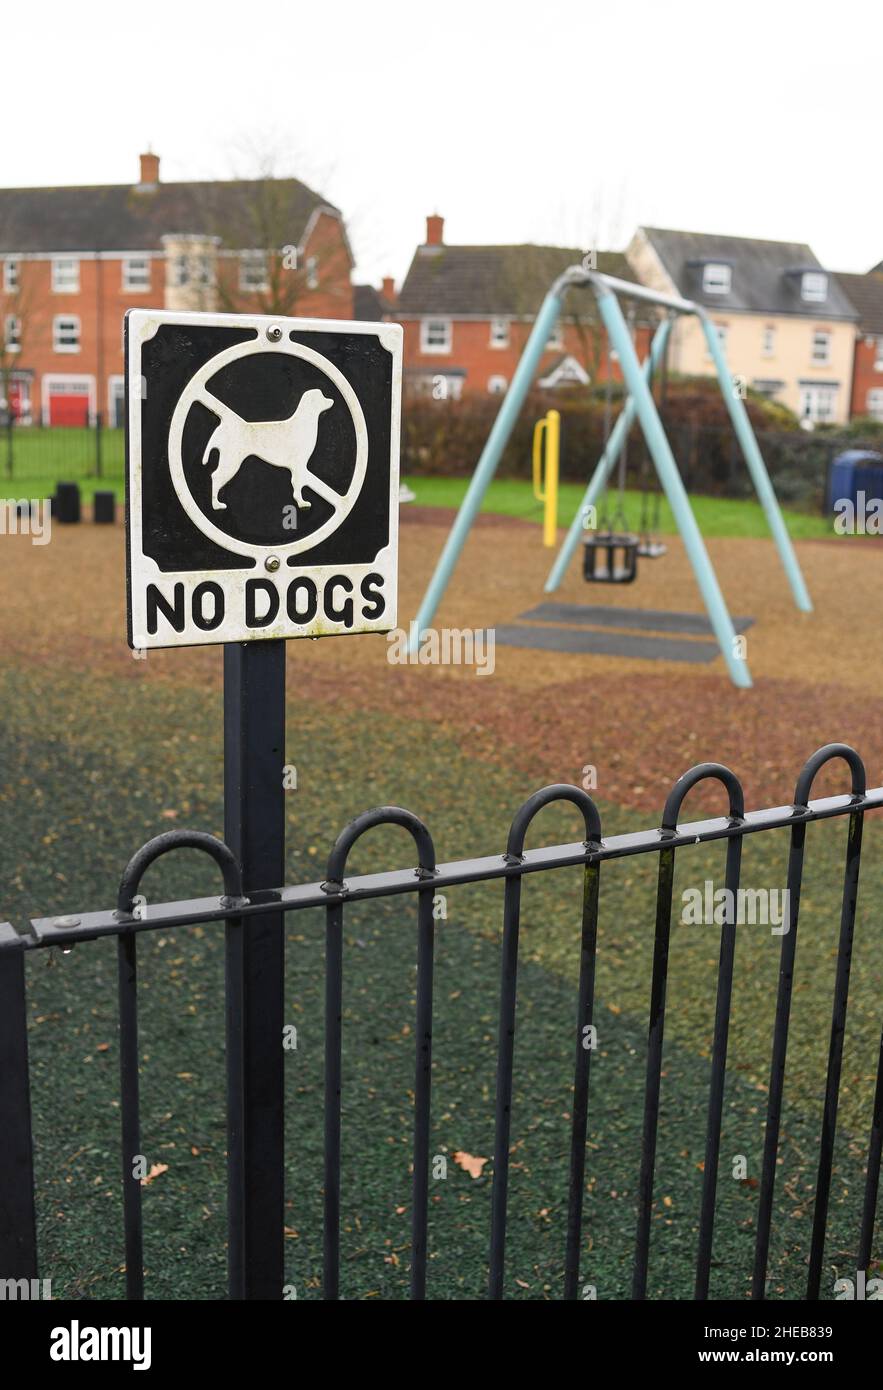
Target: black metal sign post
column 254, row 828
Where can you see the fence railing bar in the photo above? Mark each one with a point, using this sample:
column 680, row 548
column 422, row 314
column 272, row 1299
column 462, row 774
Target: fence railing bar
column 584, row 1011
column 194, row 911
column 718, row 1076
column 835, row 1054
column 333, row 1063
column 665, row 882
column 18, row 1225
column 424, row 875
column 422, row 1092
column 503, row 1105
column 872, row 1181
column 777, row 1064
column 127, row 979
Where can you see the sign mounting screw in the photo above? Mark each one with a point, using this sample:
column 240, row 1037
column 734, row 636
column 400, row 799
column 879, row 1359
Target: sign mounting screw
column 272, row 562
column 274, row 332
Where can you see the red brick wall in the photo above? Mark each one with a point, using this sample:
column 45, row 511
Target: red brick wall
column 101, row 303
column 471, row 351
column 865, row 376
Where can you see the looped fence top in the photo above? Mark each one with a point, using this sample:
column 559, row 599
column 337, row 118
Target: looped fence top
column 558, row 791
column 818, row 760
column 381, row 815
column 700, row 773
column 178, row 839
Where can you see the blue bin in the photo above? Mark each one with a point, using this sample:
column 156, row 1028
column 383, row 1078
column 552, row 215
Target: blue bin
column 855, row 471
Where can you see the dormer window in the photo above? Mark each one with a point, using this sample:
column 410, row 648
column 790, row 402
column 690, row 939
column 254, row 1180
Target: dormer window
column 813, row 287
column 716, row 278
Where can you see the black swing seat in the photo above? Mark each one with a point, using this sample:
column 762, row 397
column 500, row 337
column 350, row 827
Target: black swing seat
column 610, row 557
column 651, row 550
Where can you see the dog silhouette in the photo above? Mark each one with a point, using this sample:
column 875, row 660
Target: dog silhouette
column 283, row 443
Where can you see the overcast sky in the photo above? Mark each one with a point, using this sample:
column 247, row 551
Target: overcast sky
column 565, row 123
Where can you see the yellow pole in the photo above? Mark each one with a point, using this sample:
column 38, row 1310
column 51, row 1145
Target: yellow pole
column 538, row 429
column 553, row 438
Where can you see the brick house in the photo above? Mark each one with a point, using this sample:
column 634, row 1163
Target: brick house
column 786, row 324
column 72, row 260
column 865, row 293
column 467, row 312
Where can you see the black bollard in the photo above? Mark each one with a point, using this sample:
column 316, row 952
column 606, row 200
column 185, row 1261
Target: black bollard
column 104, row 510
column 66, row 505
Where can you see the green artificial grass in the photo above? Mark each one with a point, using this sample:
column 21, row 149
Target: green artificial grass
column 77, row 800
column 43, row 457
column 716, row 516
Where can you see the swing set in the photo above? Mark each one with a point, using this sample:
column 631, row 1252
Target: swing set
column 611, row 555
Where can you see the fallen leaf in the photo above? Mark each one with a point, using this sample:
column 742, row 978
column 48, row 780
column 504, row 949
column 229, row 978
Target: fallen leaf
column 103, row 1047
column 472, row 1164
column 155, row 1170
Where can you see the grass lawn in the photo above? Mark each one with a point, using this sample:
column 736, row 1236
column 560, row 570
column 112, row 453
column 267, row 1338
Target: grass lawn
column 76, row 799
column 716, row 516
column 43, row 457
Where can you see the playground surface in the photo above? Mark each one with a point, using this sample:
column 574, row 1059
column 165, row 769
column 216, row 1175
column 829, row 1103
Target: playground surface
column 639, row 722
column 101, row 751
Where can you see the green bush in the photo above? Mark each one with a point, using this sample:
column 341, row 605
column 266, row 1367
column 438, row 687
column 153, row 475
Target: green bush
column 445, row 438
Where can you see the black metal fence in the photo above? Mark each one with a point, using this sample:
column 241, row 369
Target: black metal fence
column 18, row 1252
column 36, row 457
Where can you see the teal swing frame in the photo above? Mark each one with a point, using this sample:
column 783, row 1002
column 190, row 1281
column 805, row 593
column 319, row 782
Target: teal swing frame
column 640, row 405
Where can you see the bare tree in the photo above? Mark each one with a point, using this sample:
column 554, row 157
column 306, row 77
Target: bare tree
column 259, row 223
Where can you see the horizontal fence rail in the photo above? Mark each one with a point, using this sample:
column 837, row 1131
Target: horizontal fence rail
column 18, row 1250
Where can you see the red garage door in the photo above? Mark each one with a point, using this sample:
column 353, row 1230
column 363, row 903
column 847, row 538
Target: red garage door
column 69, row 403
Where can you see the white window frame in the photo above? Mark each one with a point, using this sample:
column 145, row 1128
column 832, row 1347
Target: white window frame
column 67, row 280
column 12, row 333
column 116, row 391
column 814, row 287
column 180, row 276
column 11, row 275
column 57, row 344
column 768, row 340
column 434, row 348
column 878, row 354
column 254, row 260
column 813, row 397
column 716, row 278
column 497, row 385
column 555, row 340
column 205, row 270
column 874, row 403
column 819, row 334
column 499, row 333
column 137, row 284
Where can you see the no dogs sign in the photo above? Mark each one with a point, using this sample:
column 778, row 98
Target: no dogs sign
column 261, row 477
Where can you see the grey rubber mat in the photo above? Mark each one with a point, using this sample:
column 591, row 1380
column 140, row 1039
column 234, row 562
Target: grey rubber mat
column 652, row 619
column 572, row 639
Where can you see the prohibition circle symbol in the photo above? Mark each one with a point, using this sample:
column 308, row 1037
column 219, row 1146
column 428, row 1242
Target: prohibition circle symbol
column 197, row 390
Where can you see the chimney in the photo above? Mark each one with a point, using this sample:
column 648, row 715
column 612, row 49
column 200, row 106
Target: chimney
column 435, row 227
column 388, row 289
column 149, row 170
